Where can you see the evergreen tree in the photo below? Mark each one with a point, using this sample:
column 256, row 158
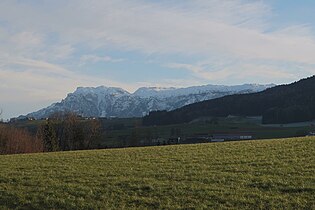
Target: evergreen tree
column 48, row 135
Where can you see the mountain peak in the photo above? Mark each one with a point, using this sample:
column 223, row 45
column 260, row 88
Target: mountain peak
column 100, row 90
column 152, row 91
column 105, row 101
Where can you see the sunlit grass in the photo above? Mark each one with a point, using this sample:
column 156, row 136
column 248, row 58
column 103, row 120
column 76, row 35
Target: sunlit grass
column 268, row 174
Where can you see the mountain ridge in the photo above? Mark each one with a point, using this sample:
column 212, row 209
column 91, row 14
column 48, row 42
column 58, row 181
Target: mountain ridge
column 287, row 103
column 105, row 101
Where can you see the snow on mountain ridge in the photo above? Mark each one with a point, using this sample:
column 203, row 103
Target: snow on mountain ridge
column 110, row 101
column 100, row 90
column 168, row 92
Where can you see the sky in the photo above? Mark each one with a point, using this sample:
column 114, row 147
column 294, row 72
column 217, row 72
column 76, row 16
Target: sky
column 48, row 48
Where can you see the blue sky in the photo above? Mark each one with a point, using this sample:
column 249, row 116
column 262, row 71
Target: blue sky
column 48, row 48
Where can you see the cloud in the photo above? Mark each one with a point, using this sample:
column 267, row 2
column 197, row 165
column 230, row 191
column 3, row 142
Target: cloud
column 38, row 84
column 44, row 43
column 27, row 39
column 39, row 76
column 242, row 72
column 233, row 29
column 95, row 59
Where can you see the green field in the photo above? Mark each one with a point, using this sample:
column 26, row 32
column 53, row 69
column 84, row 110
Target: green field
column 267, row 174
column 117, row 132
column 117, row 138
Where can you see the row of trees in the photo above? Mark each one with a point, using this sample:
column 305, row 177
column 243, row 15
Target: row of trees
column 69, row 132
column 58, row 133
column 14, row 141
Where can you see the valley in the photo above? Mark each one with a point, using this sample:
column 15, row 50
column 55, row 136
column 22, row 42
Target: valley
column 143, row 104
column 126, row 132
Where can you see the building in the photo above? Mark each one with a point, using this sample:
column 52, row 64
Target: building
column 312, row 133
column 231, row 137
column 217, row 140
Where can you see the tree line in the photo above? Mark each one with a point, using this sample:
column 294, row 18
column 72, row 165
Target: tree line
column 69, row 132
column 58, row 133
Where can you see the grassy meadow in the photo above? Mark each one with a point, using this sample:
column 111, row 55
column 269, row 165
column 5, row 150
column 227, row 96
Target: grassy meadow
column 267, row 174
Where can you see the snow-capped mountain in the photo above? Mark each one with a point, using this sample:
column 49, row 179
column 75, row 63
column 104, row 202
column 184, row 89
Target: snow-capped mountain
column 116, row 102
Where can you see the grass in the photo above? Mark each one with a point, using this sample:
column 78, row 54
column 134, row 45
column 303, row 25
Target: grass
column 269, row 174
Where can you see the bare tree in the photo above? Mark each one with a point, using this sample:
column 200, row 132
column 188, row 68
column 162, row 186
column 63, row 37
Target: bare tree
column 16, row 140
column 92, row 133
column 1, row 111
column 73, row 132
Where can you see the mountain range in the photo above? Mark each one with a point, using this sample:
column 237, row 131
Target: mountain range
column 116, row 102
column 288, row 103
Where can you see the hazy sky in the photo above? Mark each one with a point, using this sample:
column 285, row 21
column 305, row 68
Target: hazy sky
column 49, row 47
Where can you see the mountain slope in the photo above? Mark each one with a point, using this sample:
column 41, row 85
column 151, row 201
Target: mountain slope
column 281, row 104
column 107, row 101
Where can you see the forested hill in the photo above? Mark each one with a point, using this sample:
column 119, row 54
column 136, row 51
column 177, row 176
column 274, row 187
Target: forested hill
column 281, row 104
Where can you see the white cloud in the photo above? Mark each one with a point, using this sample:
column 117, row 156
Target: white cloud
column 94, row 59
column 27, row 39
column 245, row 72
column 26, row 81
column 234, row 29
column 42, row 42
column 59, row 52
